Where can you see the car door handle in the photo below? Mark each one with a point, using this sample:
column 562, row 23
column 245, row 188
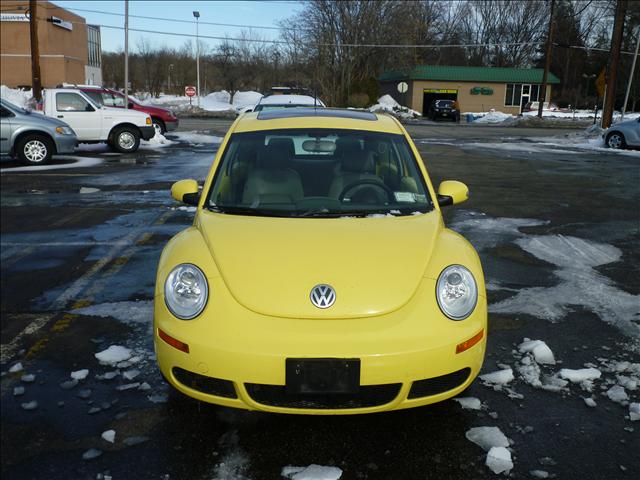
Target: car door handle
column 60, row 116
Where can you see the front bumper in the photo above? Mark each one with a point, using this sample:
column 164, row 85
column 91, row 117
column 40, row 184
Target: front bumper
column 65, row 143
column 237, row 357
column 171, row 125
column 147, row 132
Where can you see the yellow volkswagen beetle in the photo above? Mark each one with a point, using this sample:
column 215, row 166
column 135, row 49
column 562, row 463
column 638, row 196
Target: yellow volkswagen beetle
column 318, row 276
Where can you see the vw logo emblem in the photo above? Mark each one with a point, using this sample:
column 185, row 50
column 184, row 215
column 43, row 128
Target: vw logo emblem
column 323, row 296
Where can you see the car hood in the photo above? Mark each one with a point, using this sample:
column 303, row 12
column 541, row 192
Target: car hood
column 152, row 109
column 270, row 265
column 122, row 113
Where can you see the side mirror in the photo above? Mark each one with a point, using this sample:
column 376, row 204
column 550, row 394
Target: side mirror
column 186, row 191
column 130, row 106
column 452, row 192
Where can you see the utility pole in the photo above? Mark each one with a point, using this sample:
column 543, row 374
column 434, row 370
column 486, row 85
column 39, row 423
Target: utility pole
column 542, row 95
column 614, row 60
column 633, row 69
column 126, row 53
column 197, row 15
column 36, row 81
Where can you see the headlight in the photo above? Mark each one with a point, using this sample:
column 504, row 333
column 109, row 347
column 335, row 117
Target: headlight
column 186, row 291
column 457, row 292
column 64, row 131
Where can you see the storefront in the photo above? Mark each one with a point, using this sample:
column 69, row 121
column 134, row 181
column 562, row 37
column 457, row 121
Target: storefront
column 477, row 89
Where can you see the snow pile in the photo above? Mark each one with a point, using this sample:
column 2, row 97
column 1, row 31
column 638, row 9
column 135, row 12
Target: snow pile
column 312, row 472
column 217, row 102
column 16, row 368
column 490, row 117
column 487, row 437
column 634, row 412
column 246, row 99
column 499, row 460
column 387, row 104
column 501, row 377
column 469, row 403
column 17, row 97
column 157, row 141
column 113, row 355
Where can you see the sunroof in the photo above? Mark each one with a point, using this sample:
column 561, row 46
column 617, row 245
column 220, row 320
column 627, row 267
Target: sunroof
column 316, row 112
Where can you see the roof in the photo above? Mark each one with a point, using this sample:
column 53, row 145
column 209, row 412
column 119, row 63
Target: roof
column 333, row 118
column 469, row 74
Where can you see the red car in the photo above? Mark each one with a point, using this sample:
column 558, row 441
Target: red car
column 163, row 118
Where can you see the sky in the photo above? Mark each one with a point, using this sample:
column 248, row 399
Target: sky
column 258, row 13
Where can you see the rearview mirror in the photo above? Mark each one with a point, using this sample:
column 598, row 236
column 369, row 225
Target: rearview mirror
column 186, row 191
column 452, row 192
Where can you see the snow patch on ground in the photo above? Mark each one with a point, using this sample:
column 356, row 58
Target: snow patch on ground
column 80, row 374
column 197, row 138
column 486, row 232
column 540, row 351
column 501, row 377
column 387, row 104
column 491, row 117
column 79, row 162
column 113, row 355
column 469, row 403
column 580, row 375
column 157, row 141
column 580, row 284
column 487, row 437
column 312, row 472
column 499, row 460
column 140, row 312
column 234, row 463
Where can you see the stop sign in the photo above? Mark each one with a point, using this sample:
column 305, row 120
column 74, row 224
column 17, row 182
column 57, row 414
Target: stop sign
column 190, row 91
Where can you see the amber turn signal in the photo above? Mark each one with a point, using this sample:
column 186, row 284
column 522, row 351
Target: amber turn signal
column 467, row 344
column 175, row 343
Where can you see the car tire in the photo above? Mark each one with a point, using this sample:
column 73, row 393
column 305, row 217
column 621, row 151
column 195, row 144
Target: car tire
column 616, row 140
column 34, row 149
column 157, row 123
column 125, row 140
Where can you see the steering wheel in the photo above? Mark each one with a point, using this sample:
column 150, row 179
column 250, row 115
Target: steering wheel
column 371, row 184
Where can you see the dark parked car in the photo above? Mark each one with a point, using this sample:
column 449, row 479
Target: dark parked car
column 444, row 109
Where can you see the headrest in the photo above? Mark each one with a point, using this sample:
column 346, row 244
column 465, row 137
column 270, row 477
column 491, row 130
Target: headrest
column 352, row 157
column 273, row 157
column 286, row 143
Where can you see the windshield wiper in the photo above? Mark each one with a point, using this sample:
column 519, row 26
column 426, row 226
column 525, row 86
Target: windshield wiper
column 248, row 211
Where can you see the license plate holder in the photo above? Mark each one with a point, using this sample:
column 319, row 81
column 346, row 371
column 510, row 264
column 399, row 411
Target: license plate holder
column 322, row 375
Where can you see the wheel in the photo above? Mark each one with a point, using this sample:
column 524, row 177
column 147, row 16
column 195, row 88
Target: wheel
column 616, row 140
column 125, row 140
column 34, row 149
column 159, row 124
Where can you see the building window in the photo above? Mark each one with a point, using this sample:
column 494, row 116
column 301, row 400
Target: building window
column 93, row 36
column 515, row 91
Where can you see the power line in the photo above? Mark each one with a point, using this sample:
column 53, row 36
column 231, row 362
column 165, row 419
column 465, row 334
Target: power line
column 176, row 20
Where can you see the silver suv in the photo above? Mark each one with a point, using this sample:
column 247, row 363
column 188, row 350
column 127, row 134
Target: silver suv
column 32, row 137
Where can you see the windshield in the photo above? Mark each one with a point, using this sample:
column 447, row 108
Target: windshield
column 444, row 103
column 318, row 173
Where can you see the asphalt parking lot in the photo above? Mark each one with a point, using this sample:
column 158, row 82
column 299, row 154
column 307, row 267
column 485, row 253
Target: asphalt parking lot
column 556, row 223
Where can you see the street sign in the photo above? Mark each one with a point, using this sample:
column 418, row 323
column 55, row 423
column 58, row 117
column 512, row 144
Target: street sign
column 190, row 91
column 403, row 87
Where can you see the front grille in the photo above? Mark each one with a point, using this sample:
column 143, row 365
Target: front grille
column 368, row 396
column 435, row 385
column 208, row 385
